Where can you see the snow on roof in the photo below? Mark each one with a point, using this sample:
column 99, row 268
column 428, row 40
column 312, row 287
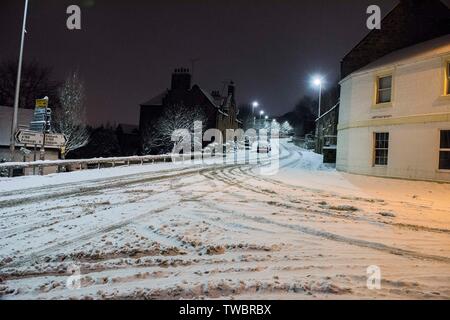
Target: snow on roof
column 156, row 101
column 418, row 52
column 209, row 97
column 6, row 113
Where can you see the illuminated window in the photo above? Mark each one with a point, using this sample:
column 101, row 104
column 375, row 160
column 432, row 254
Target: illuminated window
column 444, row 152
column 381, row 149
column 384, row 89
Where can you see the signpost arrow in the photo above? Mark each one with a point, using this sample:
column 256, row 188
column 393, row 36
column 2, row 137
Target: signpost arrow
column 52, row 140
column 29, row 137
column 55, row 140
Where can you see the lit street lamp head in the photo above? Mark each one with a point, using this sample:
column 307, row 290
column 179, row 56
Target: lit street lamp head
column 317, row 81
column 255, row 104
column 261, row 112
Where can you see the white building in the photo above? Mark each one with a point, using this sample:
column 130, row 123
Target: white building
column 394, row 118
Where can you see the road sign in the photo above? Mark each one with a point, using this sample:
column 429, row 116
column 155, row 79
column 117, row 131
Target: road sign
column 55, row 140
column 30, row 137
column 42, row 103
column 42, row 119
column 37, row 126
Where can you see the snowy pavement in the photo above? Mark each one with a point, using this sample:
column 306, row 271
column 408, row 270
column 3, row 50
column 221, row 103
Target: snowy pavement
column 223, row 231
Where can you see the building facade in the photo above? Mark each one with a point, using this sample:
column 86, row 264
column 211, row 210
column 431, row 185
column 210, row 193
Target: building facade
column 394, row 118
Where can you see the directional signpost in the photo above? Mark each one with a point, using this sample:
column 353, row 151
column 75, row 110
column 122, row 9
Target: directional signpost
column 29, row 137
column 52, row 140
column 55, row 140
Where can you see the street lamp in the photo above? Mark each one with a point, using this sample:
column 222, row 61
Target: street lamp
column 17, row 93
column 261, row 113
column 318, row 82
column 267, row 117
column 255, row 105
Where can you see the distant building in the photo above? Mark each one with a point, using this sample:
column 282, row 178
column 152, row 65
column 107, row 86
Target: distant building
column 326, row 134
column 221, row 110
column 395, row 115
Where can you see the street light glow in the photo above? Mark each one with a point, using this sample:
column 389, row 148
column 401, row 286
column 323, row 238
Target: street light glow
column 317, row 81
column 267, row 117
column 255, row 104
column 261, row 112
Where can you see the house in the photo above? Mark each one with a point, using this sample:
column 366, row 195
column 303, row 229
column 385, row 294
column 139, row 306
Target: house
column 394, row 118
column 221, row 110
column 394, row 104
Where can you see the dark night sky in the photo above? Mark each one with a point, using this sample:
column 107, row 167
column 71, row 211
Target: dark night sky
column 127, row 50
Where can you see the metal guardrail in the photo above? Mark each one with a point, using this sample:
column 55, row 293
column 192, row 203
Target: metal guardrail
column 81, row 164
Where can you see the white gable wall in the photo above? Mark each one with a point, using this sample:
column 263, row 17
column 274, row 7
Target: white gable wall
column 418, row 109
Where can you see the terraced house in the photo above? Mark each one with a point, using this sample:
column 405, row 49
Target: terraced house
column 394, row 118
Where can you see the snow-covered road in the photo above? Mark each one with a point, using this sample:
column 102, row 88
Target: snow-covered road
column 223, row 231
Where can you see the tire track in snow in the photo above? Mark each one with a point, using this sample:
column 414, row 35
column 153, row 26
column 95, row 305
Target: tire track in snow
column 331, row 236
column 117, row 183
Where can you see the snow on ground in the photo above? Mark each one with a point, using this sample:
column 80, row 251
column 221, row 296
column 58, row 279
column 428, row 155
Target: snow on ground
column 223, row 231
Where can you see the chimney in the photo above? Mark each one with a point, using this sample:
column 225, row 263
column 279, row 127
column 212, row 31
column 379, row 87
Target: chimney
column 231, row 89
column 181, row 79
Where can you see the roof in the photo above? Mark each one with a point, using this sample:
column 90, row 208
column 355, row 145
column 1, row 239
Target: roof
column 419, row 52
column 156, row 101
column 409, row 23
column 6, row 113
column 209, row 97
column 220, row 103
column 328, row 112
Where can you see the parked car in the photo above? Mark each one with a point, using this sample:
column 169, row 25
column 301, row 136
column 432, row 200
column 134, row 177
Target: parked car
column 264, row 147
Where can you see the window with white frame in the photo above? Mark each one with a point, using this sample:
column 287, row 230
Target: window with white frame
column 384, row 89
column 381, row 152
column 444, row 151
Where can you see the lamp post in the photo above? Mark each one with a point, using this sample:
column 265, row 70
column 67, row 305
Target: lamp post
column 318, row 82
column 17, row 93
column 254, row 106
column 261, row 113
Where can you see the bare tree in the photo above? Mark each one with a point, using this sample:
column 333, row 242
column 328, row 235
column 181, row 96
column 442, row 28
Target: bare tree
column 174, row 118
column 70, row 118
column 36, row 83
